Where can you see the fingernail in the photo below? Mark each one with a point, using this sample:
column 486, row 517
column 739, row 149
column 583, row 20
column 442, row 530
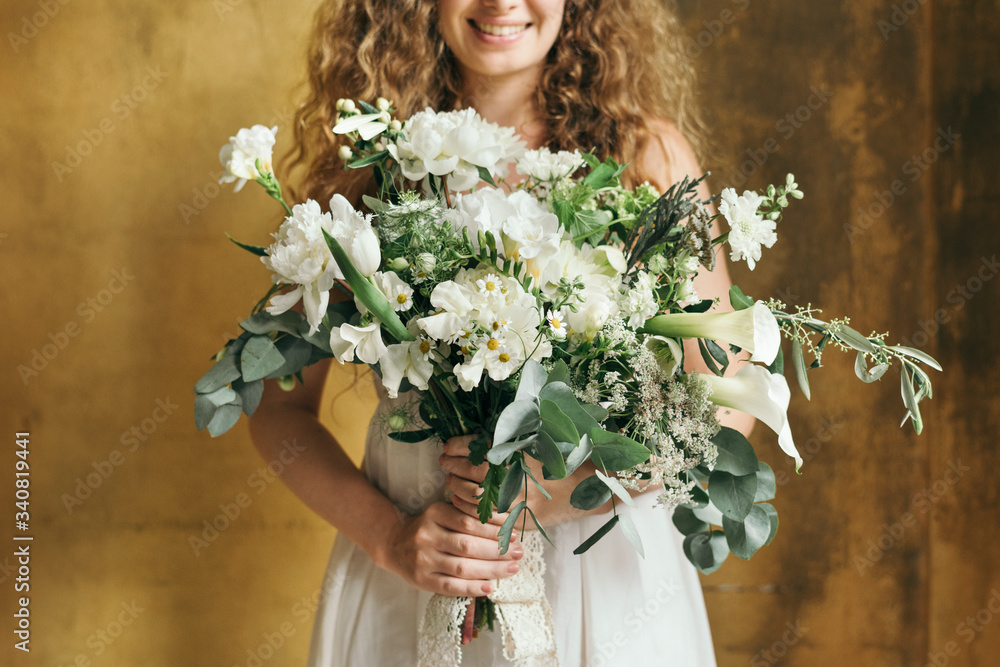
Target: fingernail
column 518, row 552
column 513, row 567
column 487, row 588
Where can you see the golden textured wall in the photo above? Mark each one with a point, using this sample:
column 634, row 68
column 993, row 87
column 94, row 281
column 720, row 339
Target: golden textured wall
column 119, row 285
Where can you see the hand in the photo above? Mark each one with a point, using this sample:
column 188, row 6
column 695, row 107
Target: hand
column 463, row 481
column 446, row 551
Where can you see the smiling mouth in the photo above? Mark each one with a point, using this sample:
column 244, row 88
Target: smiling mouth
column 498, row 30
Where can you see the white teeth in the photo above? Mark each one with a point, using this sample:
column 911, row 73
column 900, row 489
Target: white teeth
column 500, row 30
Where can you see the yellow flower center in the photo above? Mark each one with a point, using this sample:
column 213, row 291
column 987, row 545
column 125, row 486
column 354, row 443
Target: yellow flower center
column 425, row 347
column 490, row 286
column 556, row 324
column 493, row 344
column 504, row 357
column 401, row 298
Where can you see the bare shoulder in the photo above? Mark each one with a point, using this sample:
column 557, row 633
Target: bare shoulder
column 668, row 157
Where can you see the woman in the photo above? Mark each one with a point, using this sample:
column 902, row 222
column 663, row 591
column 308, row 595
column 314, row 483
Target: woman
column 600, row 75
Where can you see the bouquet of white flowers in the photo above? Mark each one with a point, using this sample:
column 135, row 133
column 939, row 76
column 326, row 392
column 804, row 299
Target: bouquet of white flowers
column 546, row 316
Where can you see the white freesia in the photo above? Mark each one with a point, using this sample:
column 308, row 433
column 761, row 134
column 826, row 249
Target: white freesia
column 762, row 394
column 348, row 341
column 368, row 125
column 544, row 165
column 355, row 234
column 748, row 228
column 754, row 329
column 299, row 256
column 410, row 360
column 240, row 155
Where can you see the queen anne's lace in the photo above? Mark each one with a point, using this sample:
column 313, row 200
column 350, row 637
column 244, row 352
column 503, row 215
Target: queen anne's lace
column 522, row 611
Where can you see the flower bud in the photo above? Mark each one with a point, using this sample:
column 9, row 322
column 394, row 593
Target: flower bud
column 382, row 104
column 379, row 146
column 348, row 106
column 395, row 126
column 399, row 264
column 425, row 263
column 345, row 153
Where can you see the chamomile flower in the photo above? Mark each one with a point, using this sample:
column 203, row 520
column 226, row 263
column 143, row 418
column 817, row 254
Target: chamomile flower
column 556, row 322
column 402, row 299
column 490, row 285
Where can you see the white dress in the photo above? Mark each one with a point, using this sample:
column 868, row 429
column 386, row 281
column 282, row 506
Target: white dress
column 610, row 607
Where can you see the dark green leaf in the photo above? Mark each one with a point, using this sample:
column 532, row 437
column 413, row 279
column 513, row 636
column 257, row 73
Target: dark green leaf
column 250, row 393
column 295, row 353
column 799, row 362
column 511, row 487
column 686, row 521
column 255, row 249
column 539, row 526
column 706, row 551
column 370, row 160
column 412, row 436
column 746, row 536
column 699, row 307
column 560, row 394
column 736, row 454
column 508, row 526
column 738, row 299
column 707, row 357
column 490, row 496
column 772, row 515
column 485, row 175
column 731, row 494
column 601, row 532
column 557, row 424
column 717, row 353
column 590, row 494
column 777, row 367
column 550, row 456
column 614, row 451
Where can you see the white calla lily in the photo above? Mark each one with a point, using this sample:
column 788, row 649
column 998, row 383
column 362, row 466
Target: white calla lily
column 758, row 392
column 754, row 329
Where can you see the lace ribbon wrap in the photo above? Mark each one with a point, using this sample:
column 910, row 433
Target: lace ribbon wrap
column 522, row 611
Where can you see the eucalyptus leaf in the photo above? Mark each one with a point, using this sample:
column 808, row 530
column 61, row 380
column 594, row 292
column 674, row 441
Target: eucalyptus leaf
column 746, row 536
column 264, row 322
column 687, row 522
column 732, row 494
column 222, row 396
column 710, row 514
column 557, row 424
column 614, row 451
column 260, row 358
column 498, row 454
column 736, row 454
column 632, row 533
column 601, row 532
column 225, row 418
column 772, row 515
column 560, row 394
column 590, row 494
column 222, row 373
column 550, row 456
column 295, row 353
column 518, row 418
column 250, row 394
column 204, row 410
column 766, row 486
column 508, row 526
column 580, row 454
column 699, row 496
column 511, row 486
column 706, row 551
column 616, row 488
column 533, row 377
column 558, row 372
column 799, row 362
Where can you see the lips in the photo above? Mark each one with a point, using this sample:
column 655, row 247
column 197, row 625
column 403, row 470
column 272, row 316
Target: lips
column 498, row 30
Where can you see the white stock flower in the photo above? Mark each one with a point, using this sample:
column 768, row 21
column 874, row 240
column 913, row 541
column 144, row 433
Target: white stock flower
column 748, row 229
column 544, row 165
column 355, row 234
column 758, row 392
column 299, row 256
column 348, row 341
column 410, row 360
column 240, row 155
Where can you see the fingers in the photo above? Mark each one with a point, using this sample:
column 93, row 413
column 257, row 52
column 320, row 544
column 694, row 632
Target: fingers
column 453, row 587
column 472, row 509
column 456, row 521
column 462, row 467
column 459, row 445
column 463, row 488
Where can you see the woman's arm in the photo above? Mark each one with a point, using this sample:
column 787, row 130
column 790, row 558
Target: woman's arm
column 441, row 550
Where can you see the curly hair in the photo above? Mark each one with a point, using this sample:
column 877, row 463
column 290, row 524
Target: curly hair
column 616, row 68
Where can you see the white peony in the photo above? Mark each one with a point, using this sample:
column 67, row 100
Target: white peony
column 299, row 256
column 748, row 229
column 240, row 155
